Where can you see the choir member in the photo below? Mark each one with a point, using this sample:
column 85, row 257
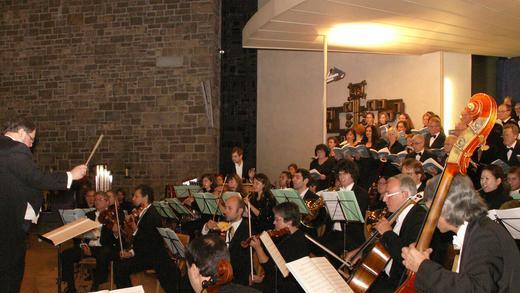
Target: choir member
column 324, row 165
column 394, row 146
column 426, row 118
column 402, row 127
column 415, row 170
column 489, row 257
column 292, row 247
column 370, row 119
column 449, row 142
column 420, row 153
column 332, row 142
column 382, row 119
column 511, row 148
column 435, row 137
column 350, row 138
column 262, row 202
column 238, row 231
column 513, row 179
column 406, row 118
column 359, row 129
column 504, row 115
column 371, row 138
column 493, row 191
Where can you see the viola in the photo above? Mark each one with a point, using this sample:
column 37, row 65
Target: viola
column 108, row 217
column 480, row 115
column 271, row 233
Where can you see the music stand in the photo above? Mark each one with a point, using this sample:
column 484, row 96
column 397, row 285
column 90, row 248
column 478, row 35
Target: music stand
column 186, row 190
column 207, row 203
column 172, row 241
column 165, row 210
column 509, row 218
column 64, row 233
column 289, row 194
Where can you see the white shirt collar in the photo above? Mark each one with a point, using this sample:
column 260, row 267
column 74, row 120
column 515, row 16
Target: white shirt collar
column 458, row 241
column 400, row 219
column 514, row 191
column 513, row 145
column 418, row 185
column 348, row 187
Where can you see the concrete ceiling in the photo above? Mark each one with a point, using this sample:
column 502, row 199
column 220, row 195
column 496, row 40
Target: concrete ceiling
column 480, row 27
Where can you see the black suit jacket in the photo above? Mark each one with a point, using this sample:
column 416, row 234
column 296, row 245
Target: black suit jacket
column 240, row 256
column 425, row 155
column 489, row 263
column 393, row 243
column 230, row 169
column 148, row 243
column 21, row 182
column 502, row 154
column 437, row 143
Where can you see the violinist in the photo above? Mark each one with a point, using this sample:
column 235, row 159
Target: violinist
column 148, row 246
column 262, row 203
column 209, row 268
column 101, row 247
column 489, row 257
column 404, row 232
column 234, row 184
column 238, row 231
column 292, row 247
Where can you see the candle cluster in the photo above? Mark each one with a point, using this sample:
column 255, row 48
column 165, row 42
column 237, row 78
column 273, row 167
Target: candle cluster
column 103, row 178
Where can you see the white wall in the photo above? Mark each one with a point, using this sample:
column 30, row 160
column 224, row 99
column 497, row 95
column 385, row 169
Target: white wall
column 456, row 70
column 289, row 121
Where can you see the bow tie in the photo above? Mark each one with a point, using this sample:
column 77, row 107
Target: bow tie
column 510, row 148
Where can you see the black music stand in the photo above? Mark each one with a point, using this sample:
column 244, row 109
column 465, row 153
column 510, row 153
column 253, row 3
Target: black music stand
column 172, row 241
column 207, row 203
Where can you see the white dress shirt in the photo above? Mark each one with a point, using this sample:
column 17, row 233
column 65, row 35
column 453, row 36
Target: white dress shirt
column 397, row 230
column 458, row 241
column 433, row 138
column 239, row 169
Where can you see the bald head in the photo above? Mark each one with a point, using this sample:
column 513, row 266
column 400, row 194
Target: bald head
column 234, row 208
column 418, row 143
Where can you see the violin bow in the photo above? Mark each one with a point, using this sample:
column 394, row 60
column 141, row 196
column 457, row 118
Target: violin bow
column 250, row 235
column 219, row 198
column 118, row 226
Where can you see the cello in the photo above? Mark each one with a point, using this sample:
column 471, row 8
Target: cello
column 480, row 116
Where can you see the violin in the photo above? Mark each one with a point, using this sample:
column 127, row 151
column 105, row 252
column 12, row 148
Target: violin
column 271, row 233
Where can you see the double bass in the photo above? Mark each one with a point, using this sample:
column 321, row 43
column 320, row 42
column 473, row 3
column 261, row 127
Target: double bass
column 480, row 115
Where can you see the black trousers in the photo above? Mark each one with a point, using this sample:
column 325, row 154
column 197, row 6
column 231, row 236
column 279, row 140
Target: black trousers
column 167, row 271
column 102, row 254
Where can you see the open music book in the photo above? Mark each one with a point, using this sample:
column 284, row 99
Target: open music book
column 317, row 275
column 274, row 253
column 70, row 230
column 432, row 167
column 136, row 289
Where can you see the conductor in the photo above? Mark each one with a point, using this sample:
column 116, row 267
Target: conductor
column 21, row 183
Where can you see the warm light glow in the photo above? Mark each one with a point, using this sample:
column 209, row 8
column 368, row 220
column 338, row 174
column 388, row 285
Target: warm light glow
column 448, row 105
column 361, row 35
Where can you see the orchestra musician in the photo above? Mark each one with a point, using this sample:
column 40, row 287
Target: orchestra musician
column 209, row 267
column 102, row 248
column 148, row 249
column 284, row 180
column 404, row 232
column 489, row 257
column 493, row 191
column 513, row 179
column 21, row 182
column 510, row 148
column 292, row 247
column 262, row 202
column 234, row 184
column 124, row 204
column 238, row 165
column 238, row 231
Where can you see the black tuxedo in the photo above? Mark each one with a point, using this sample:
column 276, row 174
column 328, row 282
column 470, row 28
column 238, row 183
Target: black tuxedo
column 21, row 182
column 239, row 255
column 393, row 243
column 103, row 255
column 438, row 143
column 489, row 263
column 426, row 154
column 150, row 252
column 513, row 160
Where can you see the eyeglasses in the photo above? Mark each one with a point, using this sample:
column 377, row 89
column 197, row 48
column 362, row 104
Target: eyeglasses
column 29, row 135
column 392, row 194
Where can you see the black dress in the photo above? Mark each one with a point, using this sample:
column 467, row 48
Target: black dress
column 264, row 220
column 494, row 199
column 326, row 169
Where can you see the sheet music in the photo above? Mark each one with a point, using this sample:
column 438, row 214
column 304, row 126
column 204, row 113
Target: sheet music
column 207, row 203
column 274, row 253
column 332, row 204
column 510, row 218
column 70, row 230
column 350, row 206
column 317, row 275
column 136, row 289
column 71, row 215
column 164, row 210
column 289, row 194
column 172, row 241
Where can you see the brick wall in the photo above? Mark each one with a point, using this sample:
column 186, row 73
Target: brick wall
column 129, row 69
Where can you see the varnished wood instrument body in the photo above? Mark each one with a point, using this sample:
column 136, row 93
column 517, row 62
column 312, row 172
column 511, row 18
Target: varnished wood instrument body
column 480, row 116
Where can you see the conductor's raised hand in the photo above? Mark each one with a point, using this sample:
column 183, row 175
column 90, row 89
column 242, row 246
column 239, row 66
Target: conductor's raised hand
column 78, row 172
